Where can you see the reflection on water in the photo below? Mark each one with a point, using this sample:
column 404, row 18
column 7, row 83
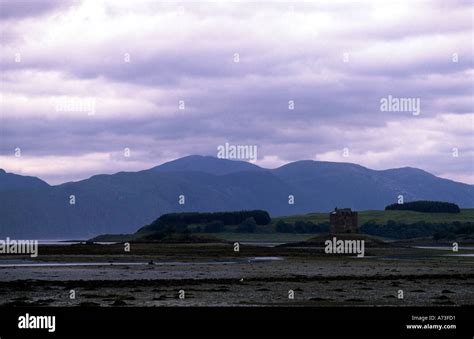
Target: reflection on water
column 444, row 248
column 265, row 259
column 459, row 255
column 69, row 242
column 263, row 243
column 30, row 263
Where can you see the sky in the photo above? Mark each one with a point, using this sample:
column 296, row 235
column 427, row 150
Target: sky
column 92, row 86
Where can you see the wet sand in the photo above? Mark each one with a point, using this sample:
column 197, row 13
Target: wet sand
column 215, row 275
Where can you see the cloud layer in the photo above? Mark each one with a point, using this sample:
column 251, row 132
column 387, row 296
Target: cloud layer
column 167, row 80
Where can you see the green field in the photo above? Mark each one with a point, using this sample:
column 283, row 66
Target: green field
column 381, row 217
column 268, row 233
column 270, row 236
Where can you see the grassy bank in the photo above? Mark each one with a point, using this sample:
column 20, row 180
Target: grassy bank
column 268, row 232
column 382, row 217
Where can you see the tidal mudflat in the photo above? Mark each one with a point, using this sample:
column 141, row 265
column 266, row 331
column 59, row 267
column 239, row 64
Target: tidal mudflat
column 214, row 274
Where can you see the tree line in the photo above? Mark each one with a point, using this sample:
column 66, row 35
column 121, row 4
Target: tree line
column 211, row 222
column 425, row 206
column 398, row 230
column 301, row 227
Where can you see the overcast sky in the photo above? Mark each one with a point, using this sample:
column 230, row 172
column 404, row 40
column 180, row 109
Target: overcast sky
column 83, row 80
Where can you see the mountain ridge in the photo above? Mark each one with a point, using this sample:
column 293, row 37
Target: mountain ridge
column 125, row 201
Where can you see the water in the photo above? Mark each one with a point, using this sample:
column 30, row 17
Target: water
column 459, row 255
column 68, row 242
column 262, row 243
column 444, row 248
column 265, row 259
column 31, row 263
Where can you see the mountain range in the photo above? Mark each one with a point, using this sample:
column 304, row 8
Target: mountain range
column 125, row 201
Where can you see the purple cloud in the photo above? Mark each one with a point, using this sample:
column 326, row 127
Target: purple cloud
column 235, row 67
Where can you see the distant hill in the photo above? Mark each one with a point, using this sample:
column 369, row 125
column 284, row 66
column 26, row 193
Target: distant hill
column 125, row 201
column 10, row 181
column 206, row 164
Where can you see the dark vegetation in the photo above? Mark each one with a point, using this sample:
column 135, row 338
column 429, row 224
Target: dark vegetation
column 394, row 224
column 425, row 206
column 397, row 230
column 301, row 227
column 249, row 225
column 186, row 223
